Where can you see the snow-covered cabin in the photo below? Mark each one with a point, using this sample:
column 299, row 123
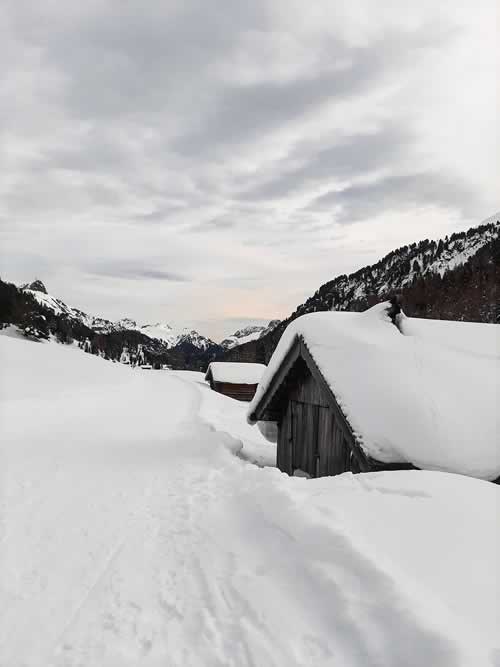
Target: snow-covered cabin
column 237, row 380
column 378, row 390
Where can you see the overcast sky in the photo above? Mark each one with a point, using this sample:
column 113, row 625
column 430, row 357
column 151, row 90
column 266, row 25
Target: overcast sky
column 212, row 163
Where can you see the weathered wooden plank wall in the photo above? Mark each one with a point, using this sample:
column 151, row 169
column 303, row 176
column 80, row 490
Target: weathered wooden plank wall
column 310, row 435
column 240, row 392
column 284, row 452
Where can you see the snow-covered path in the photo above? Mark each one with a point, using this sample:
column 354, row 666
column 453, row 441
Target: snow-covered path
column 133, row 535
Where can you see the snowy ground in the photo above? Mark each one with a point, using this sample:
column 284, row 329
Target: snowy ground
column 134, row 533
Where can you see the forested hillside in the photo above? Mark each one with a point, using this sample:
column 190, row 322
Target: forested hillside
column 456, row 278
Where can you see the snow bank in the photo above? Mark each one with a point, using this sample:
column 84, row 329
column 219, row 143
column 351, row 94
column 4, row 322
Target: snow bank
column 227, row 416
column 430, row 536
column 429, row 397
column 12, row 331
column 238, row 373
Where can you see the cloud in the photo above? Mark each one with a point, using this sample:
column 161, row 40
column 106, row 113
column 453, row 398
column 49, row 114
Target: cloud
column 245, row 112
column 221, row 222
column 349, row 157
column 127, row 271
column 401, row 192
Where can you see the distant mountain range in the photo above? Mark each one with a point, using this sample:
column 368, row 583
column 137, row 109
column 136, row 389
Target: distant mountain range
column 159, row 331
column 457, row 277
column 40, row 314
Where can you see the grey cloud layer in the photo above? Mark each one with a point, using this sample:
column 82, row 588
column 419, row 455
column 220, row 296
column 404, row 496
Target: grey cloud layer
column 133, row 271
column 350, row 157
column 363, row 201
column 151, row 92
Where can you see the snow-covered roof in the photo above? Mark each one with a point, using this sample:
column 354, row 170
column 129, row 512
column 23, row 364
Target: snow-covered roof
column 426, row 392
column 237, row 373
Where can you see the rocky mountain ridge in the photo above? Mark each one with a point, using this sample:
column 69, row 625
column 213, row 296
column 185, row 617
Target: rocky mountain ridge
column 158, row 331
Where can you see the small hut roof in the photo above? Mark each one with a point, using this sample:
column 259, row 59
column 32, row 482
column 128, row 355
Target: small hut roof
column 424, row 392
column 235, row 373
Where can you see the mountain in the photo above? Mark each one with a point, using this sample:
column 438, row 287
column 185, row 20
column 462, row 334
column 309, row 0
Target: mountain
column 39, row 292
column 251, row 332
column 172, row 337
column 247, row 334
column 241, row 336
column 401, row 269
column 270, row 327
column 41, row 315
column 159, row 331
column 35, row 286
column 191, row 337
column 454, row 278
column 98, row 324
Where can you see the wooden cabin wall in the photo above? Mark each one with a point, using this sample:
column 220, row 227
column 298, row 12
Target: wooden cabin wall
column 240, row 392
column 311, row 436
column 285, row 444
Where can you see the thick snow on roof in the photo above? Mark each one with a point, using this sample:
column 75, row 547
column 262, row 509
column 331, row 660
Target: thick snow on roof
column 428, row 394
column 469, row 338
column 239, row 373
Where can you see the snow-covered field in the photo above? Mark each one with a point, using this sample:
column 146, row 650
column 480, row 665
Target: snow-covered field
column 135, row 531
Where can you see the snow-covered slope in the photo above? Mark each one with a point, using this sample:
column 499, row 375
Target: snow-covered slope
column 141, row 537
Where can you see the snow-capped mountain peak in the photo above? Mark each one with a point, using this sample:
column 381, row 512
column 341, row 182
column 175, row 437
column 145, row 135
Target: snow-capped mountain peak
column 39, row 292
column 245, row 335
column 127, row 323
column 159, row 331
column 173, row 337
column 35, row 286
column 192, row 337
